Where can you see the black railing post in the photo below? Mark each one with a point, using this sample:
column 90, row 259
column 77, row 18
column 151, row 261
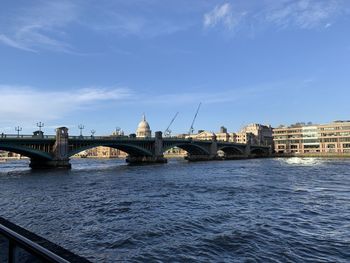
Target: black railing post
column 11, row 251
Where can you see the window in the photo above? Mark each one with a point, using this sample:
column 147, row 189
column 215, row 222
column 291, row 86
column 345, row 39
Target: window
column 311, row 146
column 329, row 140
column 311, row 140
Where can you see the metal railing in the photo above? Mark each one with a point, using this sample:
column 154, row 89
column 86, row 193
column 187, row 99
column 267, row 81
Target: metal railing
column 25, row 136
column 78, row 137
column 16, row 245
column 112, row 137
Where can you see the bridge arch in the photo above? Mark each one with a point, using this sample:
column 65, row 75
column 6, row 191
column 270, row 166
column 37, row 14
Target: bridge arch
column 231, row 150
column 193, row 149
column 131, row 149
column 26, row 151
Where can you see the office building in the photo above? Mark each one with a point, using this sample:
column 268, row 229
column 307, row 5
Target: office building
column 300, row 138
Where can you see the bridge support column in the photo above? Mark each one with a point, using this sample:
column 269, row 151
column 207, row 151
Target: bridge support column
column 233, row 157
column 214, row 150
column 247, row 151
column 46, row 164
column 270, row 151
column 145, row 159
column 213, row 153
column 157, row 157
column 60, row 153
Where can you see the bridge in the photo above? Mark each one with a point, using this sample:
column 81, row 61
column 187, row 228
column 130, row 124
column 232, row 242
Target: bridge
column 54, row 151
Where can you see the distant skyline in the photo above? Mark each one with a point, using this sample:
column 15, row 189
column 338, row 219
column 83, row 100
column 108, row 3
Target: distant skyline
column 105, row 63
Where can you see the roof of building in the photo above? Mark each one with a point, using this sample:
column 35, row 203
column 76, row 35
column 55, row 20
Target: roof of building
column 143, row 125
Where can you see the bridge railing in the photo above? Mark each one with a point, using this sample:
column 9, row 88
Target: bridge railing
column 230, row 143
column 25, row 136
column 176, row 139
column 111, row 137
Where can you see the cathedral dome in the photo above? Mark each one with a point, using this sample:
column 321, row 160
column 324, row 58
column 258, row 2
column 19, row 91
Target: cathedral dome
column 143, row 125
column 143, row 129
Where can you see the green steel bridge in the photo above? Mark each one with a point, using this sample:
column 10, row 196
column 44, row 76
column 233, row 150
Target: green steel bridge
column 54, row 151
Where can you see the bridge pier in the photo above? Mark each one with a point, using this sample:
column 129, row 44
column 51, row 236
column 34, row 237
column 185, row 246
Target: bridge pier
column 213, row 153
column 157, row 157
column 60, row 153
column 247, row 150
column 233, row 157
column 49, row 164
column 145, row 159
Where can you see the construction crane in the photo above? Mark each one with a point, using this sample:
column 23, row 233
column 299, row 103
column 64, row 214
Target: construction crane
column 194, row 119
column 167, row 132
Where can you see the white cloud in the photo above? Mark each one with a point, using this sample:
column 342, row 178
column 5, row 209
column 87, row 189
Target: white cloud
column 222, row 15
column 40, row 27
column 14, row 43
column 45, row 25
column 99, row 94
column 26, row 103
column 302, row 14
column 219, row 94
column 136, row 25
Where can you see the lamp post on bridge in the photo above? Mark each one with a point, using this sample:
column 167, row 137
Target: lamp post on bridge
column 18, row 129
column 40, row 125
column 81, row 128
column 93, row 133
column 117, row 131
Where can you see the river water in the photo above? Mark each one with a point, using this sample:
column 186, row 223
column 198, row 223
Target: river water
column 262, row 210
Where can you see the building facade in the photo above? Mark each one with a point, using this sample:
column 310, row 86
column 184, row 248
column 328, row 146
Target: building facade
column 101, row 152
column 259, row 134
column 256, row 134
column 331, row 138
column 108, row 152
column 245, row 137
column 203, row 135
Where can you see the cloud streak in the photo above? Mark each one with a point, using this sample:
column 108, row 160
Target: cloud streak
column 302, row 14
column 27, row 104
column 47, row 25
column 40, row 27
column 222, row 95
column 223, row 15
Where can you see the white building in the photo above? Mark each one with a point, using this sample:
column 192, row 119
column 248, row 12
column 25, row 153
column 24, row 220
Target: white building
column 143, row 129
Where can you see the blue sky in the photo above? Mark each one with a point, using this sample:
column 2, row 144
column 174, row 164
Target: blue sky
column 103, row 63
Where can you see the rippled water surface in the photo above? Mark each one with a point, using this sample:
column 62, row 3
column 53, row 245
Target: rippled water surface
column 263, row 210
